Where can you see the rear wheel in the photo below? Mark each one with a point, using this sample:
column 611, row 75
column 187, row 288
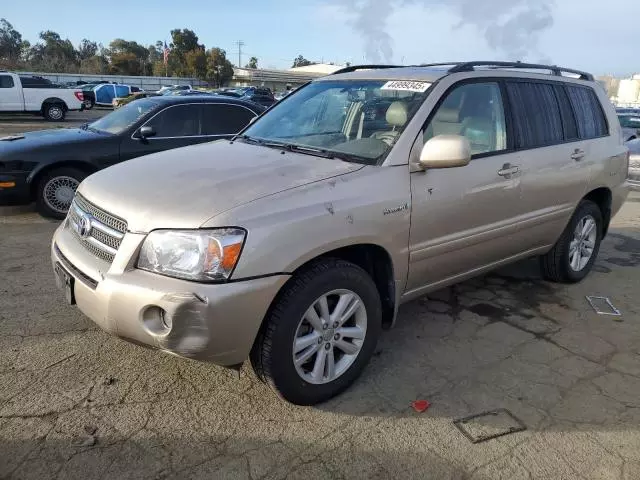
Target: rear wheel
column 89, row 103
column 55, row 191
column 573, row 256
column 320, row 334
column 54, row 112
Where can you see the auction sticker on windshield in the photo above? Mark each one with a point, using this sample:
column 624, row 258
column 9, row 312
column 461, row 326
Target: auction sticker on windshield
column 406, row 86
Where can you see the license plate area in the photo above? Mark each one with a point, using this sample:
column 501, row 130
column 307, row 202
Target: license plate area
column 65, row 282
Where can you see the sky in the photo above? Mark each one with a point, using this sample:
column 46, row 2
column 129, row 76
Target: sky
column 573, row 33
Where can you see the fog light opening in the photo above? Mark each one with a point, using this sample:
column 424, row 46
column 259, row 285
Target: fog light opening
column 156, row 320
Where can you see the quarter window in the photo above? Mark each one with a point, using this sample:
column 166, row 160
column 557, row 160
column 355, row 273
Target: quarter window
column 537, row 120
column 221, row 119
column 474, row 110
column 178, row 121
column 6, row 81
column 589, row 114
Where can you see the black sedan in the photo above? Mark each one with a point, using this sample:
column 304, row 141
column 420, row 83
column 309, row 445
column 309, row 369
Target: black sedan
column 47, row 166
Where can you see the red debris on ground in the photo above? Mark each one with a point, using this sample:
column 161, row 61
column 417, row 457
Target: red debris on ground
column 420, row 405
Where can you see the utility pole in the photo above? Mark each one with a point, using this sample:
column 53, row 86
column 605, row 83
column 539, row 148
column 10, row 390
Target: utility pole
column 240, row 44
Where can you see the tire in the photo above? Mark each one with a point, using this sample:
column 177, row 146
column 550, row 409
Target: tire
column 55, row 191
column 272, row 356
column 557, row 265
column 54, row 112
column 89, row 103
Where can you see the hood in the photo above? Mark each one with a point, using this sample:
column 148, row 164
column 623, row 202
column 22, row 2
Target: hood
column 24, row 142
column 185, row 187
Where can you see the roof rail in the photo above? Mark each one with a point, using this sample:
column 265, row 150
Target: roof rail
column 353, row 68
column 554, row 69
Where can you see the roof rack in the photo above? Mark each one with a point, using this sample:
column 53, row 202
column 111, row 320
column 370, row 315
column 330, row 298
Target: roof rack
column 353, row 68
column 554, row 69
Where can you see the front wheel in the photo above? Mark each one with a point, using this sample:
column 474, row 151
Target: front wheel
column 54, row 112
column 320, row 334
column 89, row 103
column 573, row 256
column 55, row 191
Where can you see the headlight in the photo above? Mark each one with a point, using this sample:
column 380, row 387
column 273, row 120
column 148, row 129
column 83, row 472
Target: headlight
column 201, row 255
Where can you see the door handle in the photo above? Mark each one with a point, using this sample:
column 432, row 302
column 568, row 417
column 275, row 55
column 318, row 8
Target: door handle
column 507, row 170
column 577, row 155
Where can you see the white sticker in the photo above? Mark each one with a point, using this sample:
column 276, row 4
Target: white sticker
column 406, row 85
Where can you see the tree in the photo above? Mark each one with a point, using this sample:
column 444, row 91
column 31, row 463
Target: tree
column 196, row 63
column 53, row 54
column 219, row 69
column 128, row 57
column 11, row 44
column 182, row 41
column 253, row 63
column 300, row 61
column 87, row 49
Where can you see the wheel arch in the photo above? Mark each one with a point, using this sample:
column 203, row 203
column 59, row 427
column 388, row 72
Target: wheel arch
column 50, row 100
column 602, row 196
column 35, row 177
column 372, row 258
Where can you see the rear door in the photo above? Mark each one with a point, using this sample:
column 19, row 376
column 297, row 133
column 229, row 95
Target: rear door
column 10, row 94
column 175, row 126
column 553, row 154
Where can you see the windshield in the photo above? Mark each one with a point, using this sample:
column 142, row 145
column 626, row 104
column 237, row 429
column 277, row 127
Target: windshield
column 361, row 119
column 628, row 121
column 121, row 119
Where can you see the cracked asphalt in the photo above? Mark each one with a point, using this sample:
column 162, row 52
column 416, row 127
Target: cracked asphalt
column 78, row 403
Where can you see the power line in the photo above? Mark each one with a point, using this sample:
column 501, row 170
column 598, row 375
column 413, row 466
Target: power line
column 239, row 44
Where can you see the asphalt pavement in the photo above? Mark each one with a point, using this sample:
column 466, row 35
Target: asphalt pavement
column 76, row 402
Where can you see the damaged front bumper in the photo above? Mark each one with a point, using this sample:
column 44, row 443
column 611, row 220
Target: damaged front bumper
column 215, row 323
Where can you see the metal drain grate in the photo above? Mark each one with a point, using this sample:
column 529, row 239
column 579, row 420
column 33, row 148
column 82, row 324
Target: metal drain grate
column 487, row 425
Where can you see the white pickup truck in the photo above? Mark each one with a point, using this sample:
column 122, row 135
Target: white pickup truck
column 37, row 95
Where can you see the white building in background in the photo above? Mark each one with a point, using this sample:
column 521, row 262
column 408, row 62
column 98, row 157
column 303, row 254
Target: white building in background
column 318, row 68
column 629, row 91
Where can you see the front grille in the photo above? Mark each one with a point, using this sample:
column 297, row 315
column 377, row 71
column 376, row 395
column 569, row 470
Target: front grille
column 98, row 231
column 103, row 217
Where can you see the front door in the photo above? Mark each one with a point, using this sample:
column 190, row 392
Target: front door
column 465, row 218
column 175, row 126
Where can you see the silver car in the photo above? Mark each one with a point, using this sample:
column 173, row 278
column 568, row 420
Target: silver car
column 630, row 123
column 634, row 164
column 294, row 244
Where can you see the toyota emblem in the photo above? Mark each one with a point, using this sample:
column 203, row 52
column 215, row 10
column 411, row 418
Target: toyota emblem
column 84, row 225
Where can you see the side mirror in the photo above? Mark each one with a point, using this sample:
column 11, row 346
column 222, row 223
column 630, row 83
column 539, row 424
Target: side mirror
column 445, row 151
column 147, row 131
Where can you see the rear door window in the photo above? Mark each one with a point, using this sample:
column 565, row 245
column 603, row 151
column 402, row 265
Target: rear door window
column 177, row 121
column 537, row 121
column 589, row 115
column 568, row 118
column 224, row 119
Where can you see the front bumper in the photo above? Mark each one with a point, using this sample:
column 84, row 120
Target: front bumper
column 14, row 188
column 215, row 323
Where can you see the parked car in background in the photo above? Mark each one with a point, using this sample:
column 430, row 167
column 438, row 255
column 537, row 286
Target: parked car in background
column 106, row 92
column 630, row 123
column 634, row 163
column 89, row 95
column 119, row 102
column 294, row 245
column 261, row 96
column 38, row 95
column 174, row 88
column 47, row 166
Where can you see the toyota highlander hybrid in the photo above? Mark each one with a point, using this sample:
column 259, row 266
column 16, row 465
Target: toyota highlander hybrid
column 294, row 243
